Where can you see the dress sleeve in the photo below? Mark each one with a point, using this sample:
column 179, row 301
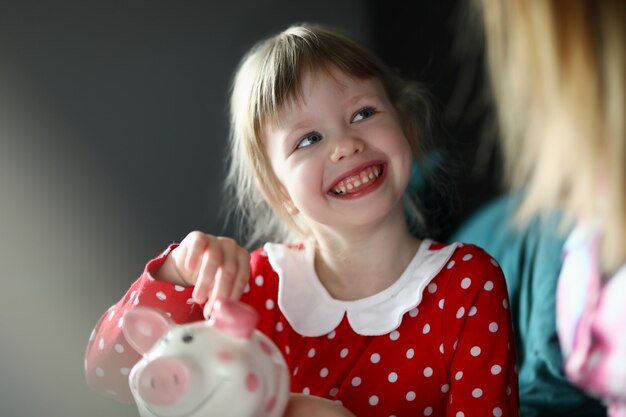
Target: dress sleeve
column 108, row 357
column 478, row 338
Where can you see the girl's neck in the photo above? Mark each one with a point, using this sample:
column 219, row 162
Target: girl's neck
column 352, row 266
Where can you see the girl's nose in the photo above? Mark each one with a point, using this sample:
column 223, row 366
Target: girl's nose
column 346, row 147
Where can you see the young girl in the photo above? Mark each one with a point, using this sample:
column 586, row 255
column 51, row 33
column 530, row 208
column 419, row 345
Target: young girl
column 366, row 315
column 558, row 70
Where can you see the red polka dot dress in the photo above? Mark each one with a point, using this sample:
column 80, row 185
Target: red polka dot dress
column 437, row 342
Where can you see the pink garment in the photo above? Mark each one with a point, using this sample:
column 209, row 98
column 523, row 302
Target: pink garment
column 591, row 322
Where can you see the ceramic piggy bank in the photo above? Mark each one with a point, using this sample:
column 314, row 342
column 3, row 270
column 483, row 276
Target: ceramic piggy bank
column 219, row 367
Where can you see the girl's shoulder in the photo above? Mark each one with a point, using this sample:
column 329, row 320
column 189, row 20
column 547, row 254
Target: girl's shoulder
column 470, row 263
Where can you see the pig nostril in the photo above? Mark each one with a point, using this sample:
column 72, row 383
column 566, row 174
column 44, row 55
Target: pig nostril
column 152, row 383
column 187, row 338
column 176, row 379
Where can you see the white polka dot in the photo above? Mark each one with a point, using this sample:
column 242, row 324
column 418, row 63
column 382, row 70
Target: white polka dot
column 324, row 372
column 179, row 288
column 458, row 375
column 472, row 312
column 493, row 262
column 460, row 414
column 488, row 286
column 373, row 400
column 450, row 265
column 344, row 352
column 136, row 301
column 92, row 336
column 426, row 328
column 475, row 351
column 395, row 335
column 269, row 304
column 493, row 327
column 413, row 313
column 428, row 411
column 477, row 393
column 279, row 326
column 456, row 342
column 497, row 412
column 246, row 289
column 306, row 390
column 505, row 303
column 119, row 348
column 441, row 348
column 410, row 353
column 356, row 381
column 432, row 287
column 333, row 392
column 445, row 388
column 190, row 301
column 99, row 372
column 311, row 353
column 258, row 280
column 375, row 358
column 287, row 350
column 508, row 390
column 111, row 315
column 295, row 371
column 465, row 284
column 428, row 372
column 332, row 335
column 441, row 303
column 410, row 396
column 124, row 371
column 120, row 322
column 460, row 312
column 132, row 295
column 101, row 344
column 496, row 369
column 392, row 377
column 467, row 257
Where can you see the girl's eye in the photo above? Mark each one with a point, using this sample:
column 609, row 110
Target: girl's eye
column 308, row 140
column 363, row 114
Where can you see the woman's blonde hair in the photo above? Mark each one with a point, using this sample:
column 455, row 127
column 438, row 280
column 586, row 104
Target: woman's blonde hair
column 269, row 76
column 558, row 77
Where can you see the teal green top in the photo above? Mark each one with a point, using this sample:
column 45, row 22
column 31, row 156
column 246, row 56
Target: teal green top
column 530, row 256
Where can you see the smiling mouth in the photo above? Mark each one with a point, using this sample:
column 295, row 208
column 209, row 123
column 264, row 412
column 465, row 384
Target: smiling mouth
column 358, row 182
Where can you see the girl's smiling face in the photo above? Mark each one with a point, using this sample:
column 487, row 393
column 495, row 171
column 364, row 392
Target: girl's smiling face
column 340, row 151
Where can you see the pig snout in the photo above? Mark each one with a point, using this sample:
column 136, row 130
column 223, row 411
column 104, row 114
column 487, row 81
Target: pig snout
column 163, row 381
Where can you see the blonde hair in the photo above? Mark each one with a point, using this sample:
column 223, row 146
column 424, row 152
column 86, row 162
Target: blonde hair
column 269, row 76
column 558, row 77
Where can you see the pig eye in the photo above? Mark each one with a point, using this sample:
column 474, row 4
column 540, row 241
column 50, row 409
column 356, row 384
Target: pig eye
column 187, row 338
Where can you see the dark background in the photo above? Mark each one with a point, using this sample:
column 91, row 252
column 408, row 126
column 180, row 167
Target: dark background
column 113, row 123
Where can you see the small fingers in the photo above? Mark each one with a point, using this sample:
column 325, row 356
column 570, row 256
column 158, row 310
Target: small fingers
column 212, row 258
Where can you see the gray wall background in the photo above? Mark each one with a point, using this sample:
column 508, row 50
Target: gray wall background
column 113, row 122
column 113, row 125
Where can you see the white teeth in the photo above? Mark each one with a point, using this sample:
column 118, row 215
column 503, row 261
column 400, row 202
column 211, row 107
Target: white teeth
column 367, row 175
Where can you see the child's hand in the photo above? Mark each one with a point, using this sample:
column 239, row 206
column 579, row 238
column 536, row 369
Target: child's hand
column 216, row 266
column 301, row 405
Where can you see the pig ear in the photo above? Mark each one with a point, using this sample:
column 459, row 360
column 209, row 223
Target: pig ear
column 143, row 327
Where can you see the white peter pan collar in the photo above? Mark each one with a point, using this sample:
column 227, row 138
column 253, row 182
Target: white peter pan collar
column 311, row 310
